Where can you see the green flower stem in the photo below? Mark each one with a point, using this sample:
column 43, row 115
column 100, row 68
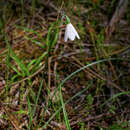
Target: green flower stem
column 67, row 19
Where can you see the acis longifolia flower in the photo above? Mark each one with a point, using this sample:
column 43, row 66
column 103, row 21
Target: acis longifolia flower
column 70, row 33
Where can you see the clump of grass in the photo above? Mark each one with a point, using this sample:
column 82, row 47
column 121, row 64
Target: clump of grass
column 51, row 92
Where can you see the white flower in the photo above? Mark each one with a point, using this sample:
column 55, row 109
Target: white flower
column 70, row 33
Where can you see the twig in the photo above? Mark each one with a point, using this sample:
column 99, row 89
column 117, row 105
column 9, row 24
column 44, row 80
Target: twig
column 90, row 71
column 120, row 10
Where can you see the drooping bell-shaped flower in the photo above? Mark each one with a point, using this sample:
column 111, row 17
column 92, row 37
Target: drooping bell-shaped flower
column 70, row 31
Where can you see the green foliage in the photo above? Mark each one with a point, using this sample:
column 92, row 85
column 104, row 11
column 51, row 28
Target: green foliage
column 17, row 70
column 118, row 127
column 82, row 124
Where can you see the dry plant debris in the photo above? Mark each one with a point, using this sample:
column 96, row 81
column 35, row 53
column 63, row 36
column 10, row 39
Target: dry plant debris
column 39, row 78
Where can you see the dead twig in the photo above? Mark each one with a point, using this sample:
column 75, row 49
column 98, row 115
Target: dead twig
column 12, row 119
column 120, row 10
column 91, row 72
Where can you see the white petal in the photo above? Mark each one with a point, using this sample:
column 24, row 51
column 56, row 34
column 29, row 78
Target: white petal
column 66, row 33
column 70, row 33
column 66, row 36
column 74, row 31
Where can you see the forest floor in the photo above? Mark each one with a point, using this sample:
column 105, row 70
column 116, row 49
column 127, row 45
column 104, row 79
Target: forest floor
column 46, row 83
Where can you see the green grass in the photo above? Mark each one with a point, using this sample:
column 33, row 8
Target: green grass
column 115, row 96
column 61, row 98
column 24, row 71
column 18, row 69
